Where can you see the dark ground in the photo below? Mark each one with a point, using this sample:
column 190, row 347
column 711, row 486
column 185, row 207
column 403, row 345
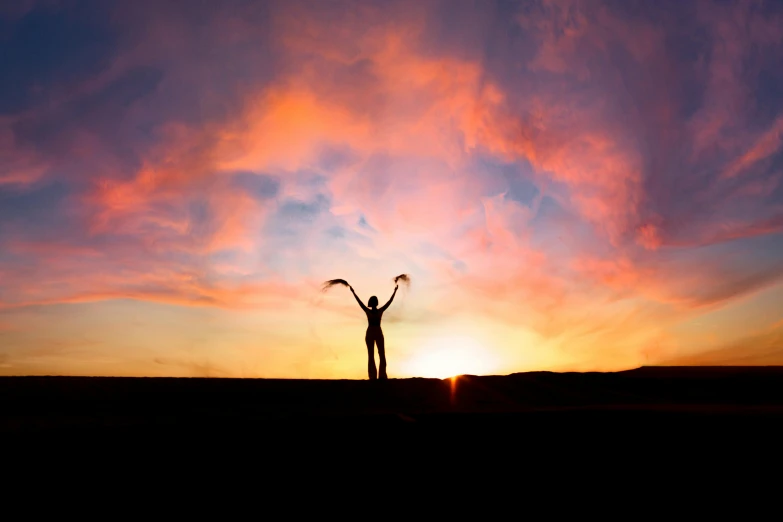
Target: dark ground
column 676, row 420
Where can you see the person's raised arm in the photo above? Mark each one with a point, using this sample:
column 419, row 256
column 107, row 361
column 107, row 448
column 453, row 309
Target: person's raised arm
column 384, row 307
column 358, row 300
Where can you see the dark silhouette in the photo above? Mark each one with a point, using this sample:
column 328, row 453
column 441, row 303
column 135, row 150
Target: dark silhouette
column 374, row 335
column 332, row 282
column 404, row 278
column 669, row 413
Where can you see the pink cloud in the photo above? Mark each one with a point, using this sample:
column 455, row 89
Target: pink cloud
column 625, row 175
column 765, row 146
column 18, row 166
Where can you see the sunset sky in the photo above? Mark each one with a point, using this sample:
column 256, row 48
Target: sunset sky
column 570, row 185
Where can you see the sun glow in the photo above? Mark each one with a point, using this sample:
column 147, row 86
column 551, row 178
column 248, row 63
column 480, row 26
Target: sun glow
column 443, row 357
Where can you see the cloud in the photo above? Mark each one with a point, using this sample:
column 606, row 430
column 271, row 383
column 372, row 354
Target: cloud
column 761, row 349
column 194, row 368
column 584, row 171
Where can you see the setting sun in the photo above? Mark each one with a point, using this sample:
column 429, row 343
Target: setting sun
column 443, row 357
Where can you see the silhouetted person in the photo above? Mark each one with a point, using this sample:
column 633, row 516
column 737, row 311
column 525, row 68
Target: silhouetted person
column 374, row 333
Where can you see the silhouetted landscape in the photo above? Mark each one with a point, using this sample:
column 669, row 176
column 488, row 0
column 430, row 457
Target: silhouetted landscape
column 522, row 415
column 205, row 190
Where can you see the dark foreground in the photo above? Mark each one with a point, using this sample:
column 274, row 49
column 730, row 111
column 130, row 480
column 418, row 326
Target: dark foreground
column 662, row 416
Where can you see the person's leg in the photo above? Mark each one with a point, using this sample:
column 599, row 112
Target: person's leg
column 381, row 355
column 371, row 371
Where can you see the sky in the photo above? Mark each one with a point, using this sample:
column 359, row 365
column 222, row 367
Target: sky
column 572, row 186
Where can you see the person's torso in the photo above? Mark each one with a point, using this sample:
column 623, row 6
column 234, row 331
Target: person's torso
column 374, row 317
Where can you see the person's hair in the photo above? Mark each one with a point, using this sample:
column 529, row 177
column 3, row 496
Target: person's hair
column 372, row 302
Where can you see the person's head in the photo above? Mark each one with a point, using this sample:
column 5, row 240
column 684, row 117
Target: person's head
column 373, row 302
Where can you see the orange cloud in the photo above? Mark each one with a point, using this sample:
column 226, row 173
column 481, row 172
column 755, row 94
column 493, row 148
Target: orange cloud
column 171, row 288
column 760, row 349
column 553, row 183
